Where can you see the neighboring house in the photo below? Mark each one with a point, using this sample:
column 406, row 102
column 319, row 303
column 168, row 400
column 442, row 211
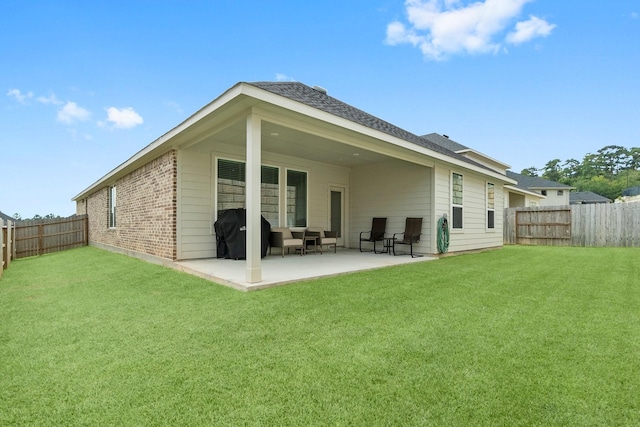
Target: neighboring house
column 629, row 195
column 555, row 194
column 5, row 217
column 513, row 195
column 586, row 197
column 300, row 158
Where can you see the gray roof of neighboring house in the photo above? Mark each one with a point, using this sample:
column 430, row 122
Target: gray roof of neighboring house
column 6, row 217
column 317, row 99
column 587, row 197
column 534, row 182
column 630, row 192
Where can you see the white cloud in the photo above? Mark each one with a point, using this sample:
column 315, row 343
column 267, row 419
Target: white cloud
column 284, row 78
column 71, row 113
column 440, row 28
column 51, row 99
column 19, row 96
column 123, row 118
column 527, row 30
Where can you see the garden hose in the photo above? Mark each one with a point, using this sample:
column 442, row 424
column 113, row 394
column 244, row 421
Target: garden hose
column 443, row 234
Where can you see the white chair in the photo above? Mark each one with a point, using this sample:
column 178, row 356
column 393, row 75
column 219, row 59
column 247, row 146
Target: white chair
column 281, row 237
column 328, row 238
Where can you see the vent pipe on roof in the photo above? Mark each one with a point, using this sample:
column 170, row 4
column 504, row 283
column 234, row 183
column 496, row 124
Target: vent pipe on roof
column 320, row 89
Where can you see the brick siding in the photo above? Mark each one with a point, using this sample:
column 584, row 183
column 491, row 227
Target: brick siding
column 146, row 206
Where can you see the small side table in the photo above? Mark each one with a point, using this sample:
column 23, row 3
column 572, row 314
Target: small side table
column 387, row 244
column 307, row 242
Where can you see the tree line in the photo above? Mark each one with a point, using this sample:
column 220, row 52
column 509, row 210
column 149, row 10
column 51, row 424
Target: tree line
column 608, row 172
column 18, row 217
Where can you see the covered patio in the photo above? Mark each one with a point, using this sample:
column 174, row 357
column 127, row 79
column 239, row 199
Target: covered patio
column 277, row 270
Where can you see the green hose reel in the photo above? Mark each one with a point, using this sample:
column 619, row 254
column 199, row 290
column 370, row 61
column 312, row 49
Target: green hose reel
column 443, row 234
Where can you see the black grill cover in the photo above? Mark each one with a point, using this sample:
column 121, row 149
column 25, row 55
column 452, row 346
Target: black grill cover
column 231, row 234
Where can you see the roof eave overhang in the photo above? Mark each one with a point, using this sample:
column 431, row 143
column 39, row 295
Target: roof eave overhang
column 519, row 190
column 238, row 92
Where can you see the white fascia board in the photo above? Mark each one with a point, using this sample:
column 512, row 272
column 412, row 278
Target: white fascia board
column 559, row 187
column 522, row 191
column 324, row 116
column 163, row 143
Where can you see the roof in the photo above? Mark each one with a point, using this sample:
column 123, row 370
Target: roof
column 536, row 183
column 444, row 141
column 633, row 191
column 6, row 217
column 245, row 94
column 317, row 98
column 584, row 197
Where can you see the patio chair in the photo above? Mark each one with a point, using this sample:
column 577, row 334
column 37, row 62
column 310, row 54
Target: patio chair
column 378, row 227
column 410, row 236
column 324, row 238
column 281, row 237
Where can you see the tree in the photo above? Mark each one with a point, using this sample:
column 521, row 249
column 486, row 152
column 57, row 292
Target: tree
column 607, row 172
column 570, row 169
column 612, row 159
column 552, row 170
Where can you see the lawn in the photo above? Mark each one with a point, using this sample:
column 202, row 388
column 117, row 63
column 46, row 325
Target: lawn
column 518, row 336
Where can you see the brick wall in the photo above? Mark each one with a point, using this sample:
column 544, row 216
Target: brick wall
column 145, row 212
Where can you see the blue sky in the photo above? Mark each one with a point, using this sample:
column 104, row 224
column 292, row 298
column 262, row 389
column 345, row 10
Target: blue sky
column 85, row 85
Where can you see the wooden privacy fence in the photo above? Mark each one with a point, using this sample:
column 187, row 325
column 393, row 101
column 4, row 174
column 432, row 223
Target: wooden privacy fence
column 45, row 236
column 614, row 225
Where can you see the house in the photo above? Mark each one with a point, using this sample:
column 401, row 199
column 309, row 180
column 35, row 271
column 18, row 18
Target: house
column 554, row 193
column 514, row 195
column 300, row 158
column 629, row 195
column 4, row 217
column 586, row 197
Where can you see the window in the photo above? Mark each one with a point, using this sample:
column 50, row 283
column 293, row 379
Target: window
column 232, row 189
column 560, row 192
column 456, row 200
column 270, row 192
column 543, row 192
column 491, row 205
column 111, row 202
column 296, row 198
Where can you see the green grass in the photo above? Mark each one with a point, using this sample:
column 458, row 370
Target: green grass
column 519, row 336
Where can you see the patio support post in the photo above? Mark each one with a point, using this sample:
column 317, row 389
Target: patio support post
column 253, row 234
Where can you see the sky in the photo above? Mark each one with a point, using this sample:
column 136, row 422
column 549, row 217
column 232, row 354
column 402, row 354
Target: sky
column 86, row 85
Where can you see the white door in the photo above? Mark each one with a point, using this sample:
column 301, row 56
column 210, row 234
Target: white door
column 336, row 212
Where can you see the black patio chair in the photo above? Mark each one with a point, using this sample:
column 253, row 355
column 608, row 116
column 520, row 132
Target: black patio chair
column 410, row 236
column 376, row 234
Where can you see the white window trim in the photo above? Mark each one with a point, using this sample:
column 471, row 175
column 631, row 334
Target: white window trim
column 286, row 184
column 112, row 207
column 456, row 230
column 488, row 209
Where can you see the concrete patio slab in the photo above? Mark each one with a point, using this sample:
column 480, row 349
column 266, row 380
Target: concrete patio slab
column 277, row 270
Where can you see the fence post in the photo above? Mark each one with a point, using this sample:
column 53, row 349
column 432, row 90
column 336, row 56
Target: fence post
column 2, row 247
column 86, row 230
column 40, row 238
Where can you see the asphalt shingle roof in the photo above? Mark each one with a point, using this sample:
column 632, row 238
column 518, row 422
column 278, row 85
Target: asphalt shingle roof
column 444, row 142
column 314, row 98
column 587, row 197
column 6, row 217
column 528, row 182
